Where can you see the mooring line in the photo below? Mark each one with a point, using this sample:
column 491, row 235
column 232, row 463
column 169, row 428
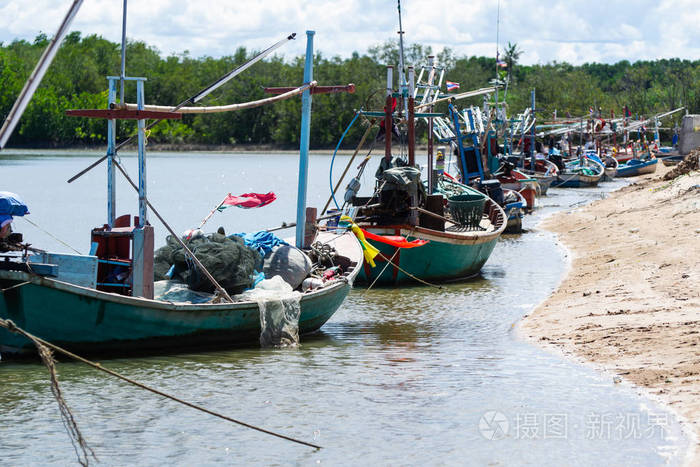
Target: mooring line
column 52, row 236
column 10, row 326
column 409, row 274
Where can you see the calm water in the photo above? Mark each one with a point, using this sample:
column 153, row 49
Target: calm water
column 409, row 376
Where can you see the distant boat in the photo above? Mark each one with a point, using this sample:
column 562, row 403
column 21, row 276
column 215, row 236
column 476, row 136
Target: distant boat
column 580, row 173
column 635, row 167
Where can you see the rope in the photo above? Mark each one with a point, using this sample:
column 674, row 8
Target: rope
column 10, row 326
column 52, row 236
column 382, row 271
column 82, row 450
column 409, row 274
column 16, row 286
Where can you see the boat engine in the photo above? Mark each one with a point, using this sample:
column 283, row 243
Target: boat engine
column 400, row 190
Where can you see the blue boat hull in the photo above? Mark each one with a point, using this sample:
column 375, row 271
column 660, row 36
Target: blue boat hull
column 631, row 169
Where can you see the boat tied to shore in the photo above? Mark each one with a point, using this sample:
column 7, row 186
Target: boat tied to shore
column 108, row 302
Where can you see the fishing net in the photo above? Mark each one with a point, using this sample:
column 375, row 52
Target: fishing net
column 279, row 309
column 228, row 260
column 177, row 292
column 690, row 162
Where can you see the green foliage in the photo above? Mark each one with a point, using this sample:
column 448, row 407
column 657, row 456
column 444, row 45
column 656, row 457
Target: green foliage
column 77, row 79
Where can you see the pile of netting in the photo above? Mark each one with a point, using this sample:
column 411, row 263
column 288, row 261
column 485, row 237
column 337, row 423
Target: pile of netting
column 687, row 165
column 228, row 260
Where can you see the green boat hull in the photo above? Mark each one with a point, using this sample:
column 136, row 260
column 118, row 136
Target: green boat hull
column 445, row 257
column 87, row 320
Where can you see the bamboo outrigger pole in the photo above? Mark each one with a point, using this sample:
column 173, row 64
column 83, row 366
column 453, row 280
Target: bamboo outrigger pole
column 35, row 78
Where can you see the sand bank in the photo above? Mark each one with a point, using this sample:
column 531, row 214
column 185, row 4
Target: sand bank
column 631, row 300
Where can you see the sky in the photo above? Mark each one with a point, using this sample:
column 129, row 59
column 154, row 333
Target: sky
column 572, row 31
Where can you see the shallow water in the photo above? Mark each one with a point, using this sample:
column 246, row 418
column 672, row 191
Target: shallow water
column 410, row 376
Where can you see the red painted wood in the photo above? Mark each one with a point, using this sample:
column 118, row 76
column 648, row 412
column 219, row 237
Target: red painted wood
column 123, row 114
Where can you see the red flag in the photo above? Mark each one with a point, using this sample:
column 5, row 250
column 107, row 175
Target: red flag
column 248, row 200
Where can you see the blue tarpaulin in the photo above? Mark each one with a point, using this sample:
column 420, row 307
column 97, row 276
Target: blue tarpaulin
column 262, row 241
column 12, row 205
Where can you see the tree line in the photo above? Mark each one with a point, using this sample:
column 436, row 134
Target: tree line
column 77, row 79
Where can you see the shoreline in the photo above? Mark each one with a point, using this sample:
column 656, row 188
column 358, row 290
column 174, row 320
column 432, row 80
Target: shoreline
column 629, row 300
column 207, row 149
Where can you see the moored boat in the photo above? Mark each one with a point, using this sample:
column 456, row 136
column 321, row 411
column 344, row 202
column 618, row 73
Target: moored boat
column 104, row 301
column 580, row 173
column 635, row 167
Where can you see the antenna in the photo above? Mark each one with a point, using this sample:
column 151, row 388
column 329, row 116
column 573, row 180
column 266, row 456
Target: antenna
column 402, row 78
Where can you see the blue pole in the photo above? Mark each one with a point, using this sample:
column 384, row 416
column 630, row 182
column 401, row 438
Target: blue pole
column 304, row 140
column 460, row 145
column 142, row 154
column 111, row 143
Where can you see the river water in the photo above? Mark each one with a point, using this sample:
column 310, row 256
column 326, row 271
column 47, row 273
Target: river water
column 397, row 376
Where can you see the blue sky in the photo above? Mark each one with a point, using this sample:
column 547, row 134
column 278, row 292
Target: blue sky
column 574, row 31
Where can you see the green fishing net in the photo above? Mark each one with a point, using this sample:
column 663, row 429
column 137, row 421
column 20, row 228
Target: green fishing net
column 228, row 260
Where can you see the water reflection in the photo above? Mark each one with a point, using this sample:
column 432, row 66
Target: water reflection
column 396, row 376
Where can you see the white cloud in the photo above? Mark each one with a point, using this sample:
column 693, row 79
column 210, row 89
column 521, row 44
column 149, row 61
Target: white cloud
column 575, row 31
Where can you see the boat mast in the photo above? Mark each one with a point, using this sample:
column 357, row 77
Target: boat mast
column 388, row 118
column 498, row 24
column 304, row 141
column 411, row 119
column 532, row 133
column 402, row 76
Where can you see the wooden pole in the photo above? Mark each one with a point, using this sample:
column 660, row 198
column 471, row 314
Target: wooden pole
column 411, row 119
column 199, row 264
column 204, row 221
column 388, row 120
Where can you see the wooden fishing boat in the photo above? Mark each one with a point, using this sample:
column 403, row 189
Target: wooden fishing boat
column 635, row 167
column 527, row 187
column 580, row 173
column 514, row 207
column 89, row 320
column 545, row 173
column 611, row 165
column 671, row 160
column 104, row 302
column 453, row 245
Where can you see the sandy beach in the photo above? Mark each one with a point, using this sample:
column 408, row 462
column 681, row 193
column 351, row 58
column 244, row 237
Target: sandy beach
column 630, row 303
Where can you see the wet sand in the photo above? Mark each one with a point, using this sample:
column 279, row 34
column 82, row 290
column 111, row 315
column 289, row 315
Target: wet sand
column 630, row 303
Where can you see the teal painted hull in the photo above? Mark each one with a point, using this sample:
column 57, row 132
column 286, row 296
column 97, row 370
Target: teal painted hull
column 86, row 320
column 447, row 256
